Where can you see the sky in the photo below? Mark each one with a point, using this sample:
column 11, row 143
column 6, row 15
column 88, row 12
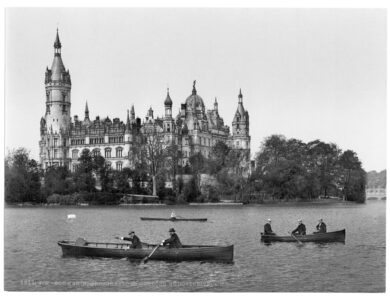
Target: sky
column 304, row 73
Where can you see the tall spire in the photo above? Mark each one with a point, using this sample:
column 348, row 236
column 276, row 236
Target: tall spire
column 57, row 45
column 193, row 88
column 132, row 112
column 86, row 110
column 240, row 96
column 128, row 117
column 215, row 104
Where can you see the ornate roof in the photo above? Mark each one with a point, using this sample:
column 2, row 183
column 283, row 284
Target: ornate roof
column 168, row 100
column 194, row 101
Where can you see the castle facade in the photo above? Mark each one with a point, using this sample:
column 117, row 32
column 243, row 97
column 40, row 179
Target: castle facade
column 193, row 130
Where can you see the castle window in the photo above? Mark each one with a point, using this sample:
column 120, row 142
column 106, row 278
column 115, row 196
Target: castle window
column 75, row 154
column 55, row 142
column 119, row 152
column 95, row 152
column 238, row 144
column 119, row 166
column 107, row 153
column 55, row 153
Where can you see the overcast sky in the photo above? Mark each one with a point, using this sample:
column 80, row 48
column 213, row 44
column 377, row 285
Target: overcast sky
column 304, row 73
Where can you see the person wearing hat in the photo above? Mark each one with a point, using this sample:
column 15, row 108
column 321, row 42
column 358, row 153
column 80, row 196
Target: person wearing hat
column 135, row 241
column 268, row 228
column 321, row 227
column 301, row 229
column 173, row 241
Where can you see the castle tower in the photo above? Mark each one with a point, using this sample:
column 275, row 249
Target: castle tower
column 169, row 122
column 240, row 127
column 55, row 125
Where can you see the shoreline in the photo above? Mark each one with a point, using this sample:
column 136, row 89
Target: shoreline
column 193, row 204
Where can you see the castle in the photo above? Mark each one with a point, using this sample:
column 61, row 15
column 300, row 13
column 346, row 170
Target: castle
column 194, row 129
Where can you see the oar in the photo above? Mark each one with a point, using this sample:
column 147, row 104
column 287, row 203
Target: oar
column 295, row 238
column 145, row 259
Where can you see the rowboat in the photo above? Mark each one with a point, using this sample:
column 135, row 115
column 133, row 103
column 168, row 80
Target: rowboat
column 81, row 247
column 335, row 236
column 173, row 219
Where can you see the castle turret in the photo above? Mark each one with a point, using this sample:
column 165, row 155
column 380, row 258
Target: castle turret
column 168, row 105
column 169, row 122
column 54, row 137
column 240, row 126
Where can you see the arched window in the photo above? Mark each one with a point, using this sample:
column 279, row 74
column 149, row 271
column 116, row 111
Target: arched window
column 75, row 154
column 119, row 166
column 107, row 153
column 119, row 152
column 96, row 152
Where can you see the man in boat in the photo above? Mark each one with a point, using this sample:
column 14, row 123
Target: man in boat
column 321, row 227
column 268, row 228
column 173, row 215
column 301, row 229
column 135, row 241
column 173, row 241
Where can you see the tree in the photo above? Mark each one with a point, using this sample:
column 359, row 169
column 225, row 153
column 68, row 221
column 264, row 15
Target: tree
column 22, row 178
column 323, row 161
column 83, row 176
column 172, row 159
column 152, row 152
column 353, row 177
column 103, row 172
column 57, row 180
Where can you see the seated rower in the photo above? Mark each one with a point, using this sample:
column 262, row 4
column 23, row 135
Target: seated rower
column 135, row 241
column 321, row 227
column 173, row 215
column 173, row 241
column 301, row 229
column 268, row 228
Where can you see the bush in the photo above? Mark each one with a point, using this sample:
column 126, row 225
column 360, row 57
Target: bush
column 211, row 193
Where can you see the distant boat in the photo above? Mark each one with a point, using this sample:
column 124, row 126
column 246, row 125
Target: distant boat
column 72, row 216
column 174, row 219
column 81, row 247
column 335, row 236
column 83, row 204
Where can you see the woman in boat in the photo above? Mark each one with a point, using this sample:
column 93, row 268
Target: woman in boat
column 268, row 228
column 135, row 241
column 173, row 241
column 321, row 227
column 301, row 229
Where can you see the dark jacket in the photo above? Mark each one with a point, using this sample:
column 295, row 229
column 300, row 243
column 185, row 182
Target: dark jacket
column 301, row 229
column 321, row 227
column 268, row 229
column 173, row 241
column 135, row 242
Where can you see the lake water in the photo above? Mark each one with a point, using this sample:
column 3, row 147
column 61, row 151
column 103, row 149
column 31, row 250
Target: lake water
column 34, row 262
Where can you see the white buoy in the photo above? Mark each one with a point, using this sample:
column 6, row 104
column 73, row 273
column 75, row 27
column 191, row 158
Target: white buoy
column 72, row 216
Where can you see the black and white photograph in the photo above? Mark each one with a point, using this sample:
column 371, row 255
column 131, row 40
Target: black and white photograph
column 195, row 149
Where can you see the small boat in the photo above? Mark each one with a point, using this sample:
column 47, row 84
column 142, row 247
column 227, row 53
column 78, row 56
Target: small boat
column 335, row 236
column 174, row 219
column 81, row 247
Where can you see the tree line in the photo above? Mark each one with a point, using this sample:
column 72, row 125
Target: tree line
column 283, row 169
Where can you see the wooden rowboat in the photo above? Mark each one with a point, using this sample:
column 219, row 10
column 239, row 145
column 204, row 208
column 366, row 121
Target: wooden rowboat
column 174, row 219
column 122, row 250
column 335, row 236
